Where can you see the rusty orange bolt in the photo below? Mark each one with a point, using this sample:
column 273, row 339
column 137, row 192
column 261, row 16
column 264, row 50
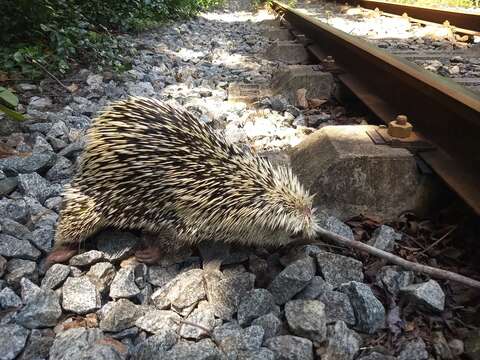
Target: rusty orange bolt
column 400, row 127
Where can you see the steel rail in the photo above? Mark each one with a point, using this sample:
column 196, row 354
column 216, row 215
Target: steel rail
column 441, row 111
column 458, row 19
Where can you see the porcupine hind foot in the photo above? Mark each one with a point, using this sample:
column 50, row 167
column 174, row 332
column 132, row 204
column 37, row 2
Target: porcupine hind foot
column 79, row 220
column 150, row 252
column 156, row 245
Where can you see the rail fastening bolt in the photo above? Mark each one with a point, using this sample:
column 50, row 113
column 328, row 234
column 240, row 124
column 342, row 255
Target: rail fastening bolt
column 400, row 127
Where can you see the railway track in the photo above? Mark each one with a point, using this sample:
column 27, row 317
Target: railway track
column 445, row 114
column 464, row 22
column 460, row 21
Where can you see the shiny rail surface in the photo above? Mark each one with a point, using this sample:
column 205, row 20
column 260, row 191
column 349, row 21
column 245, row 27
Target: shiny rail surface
column 458, row 19
column 441, row 111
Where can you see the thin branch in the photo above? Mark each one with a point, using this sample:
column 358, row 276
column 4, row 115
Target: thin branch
column 429, row 270
column 50, row 74
column 437, row 241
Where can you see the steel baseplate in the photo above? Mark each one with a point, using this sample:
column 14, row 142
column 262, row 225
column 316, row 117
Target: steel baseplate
column 415, row 142
column 248, row 93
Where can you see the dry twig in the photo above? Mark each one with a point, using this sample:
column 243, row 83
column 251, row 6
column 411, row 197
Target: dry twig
column 50, row 74
column 394, row 259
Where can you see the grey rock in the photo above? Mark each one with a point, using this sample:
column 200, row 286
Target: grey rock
column 123, row 284
column 35, row 186
column 17, row 269
column 181, row 292
column 8, row 299
column 95, row 81
column 160, row 275
column 7, row 185
column 335, row 225
column 38, row 344
column 26, row 87
column 203, row 350
column 15, row 229
column 87, row 258
column 294, row 278
column 80, row 295
column 101, row 275
column 140, row 89
column 155, row 346
column 338, row 269
column 140, row 272
column 314, row 289
column 256, row 303
column 288, row 347
column 120, row 315
column 158, row 321
column 307, row 318
column 42, row 238
column 39, row 103
column 279, row 103
column 58, row 129
column 225, row 293
column 369, row 311
column 116, row 245
column 72, row 149
column 232, row 339
column 54, row 203
column 376, row 356
column 81, row 344
column 145, row 294
column 12, row 340
column 28, row 164
column 393, row 278
column 41, row 145
column 428, row 295
column 15, row 209
column 204, row 316
column 299, row 252
column 41, row 310
column 261, row 354
column 55, row 276
column 61, row 170
column 28, row 290
column 413, row 350
column 270, row 324
column 343, row 343
column 80, row 122
column 384, row 238
column 338, row 307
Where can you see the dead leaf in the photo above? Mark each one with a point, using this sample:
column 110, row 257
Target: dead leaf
column 409, row 326
column 90, row 321
column 6, row 151
column 72, row 87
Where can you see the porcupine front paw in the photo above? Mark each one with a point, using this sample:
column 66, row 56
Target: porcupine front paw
column 61, row 254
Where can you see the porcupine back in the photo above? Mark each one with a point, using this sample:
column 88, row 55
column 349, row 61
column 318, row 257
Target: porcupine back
column 150, row 166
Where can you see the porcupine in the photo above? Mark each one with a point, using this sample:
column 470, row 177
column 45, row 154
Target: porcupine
column 152, row 167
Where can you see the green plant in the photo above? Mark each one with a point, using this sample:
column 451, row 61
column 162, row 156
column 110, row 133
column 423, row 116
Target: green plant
column 8, row 104
column 62, row 33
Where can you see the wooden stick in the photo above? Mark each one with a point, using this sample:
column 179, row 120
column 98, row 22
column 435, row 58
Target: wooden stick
column 49, row 73
column 429, row 270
